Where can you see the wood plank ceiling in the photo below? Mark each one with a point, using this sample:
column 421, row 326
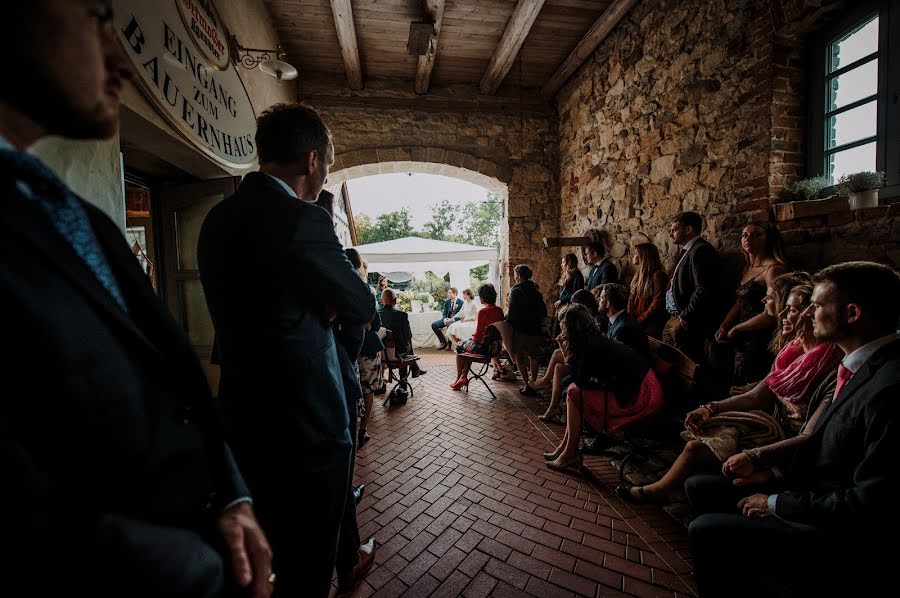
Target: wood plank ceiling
column 484, row 43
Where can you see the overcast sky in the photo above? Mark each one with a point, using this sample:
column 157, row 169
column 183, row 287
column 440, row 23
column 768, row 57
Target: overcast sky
column 419, row 193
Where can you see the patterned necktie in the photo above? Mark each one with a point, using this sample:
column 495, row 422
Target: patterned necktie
column 66, row 214
column 843, row 375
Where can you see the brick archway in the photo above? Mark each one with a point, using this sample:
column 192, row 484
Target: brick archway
column 430, row 160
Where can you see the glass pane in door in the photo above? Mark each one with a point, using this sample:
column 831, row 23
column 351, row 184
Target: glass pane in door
column 195, row 316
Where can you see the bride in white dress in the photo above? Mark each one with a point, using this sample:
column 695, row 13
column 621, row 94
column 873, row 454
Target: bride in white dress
column 464, row 328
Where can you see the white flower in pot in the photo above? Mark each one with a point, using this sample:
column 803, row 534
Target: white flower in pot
column 862, row 188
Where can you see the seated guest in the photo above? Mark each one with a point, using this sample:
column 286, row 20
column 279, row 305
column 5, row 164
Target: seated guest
column 571, row 281
column 452, row 305
column 799, row 369
column 523, row 329
column 463, row 324
column 647, row 299
column 777, row 303
column 613, row 385
column 557, row 371
column 397, row 322
column 836, row 490
column 603, row 271
column 487, row 315
column 622, row 326
column 747, row 326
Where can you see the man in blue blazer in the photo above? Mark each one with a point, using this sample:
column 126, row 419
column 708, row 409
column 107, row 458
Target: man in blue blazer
column 622, row 325
column 276, row 278
column 451, row 307
column 117, row 481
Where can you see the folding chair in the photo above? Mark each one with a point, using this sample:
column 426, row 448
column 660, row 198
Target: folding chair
column 491, row 338
column 402, row 381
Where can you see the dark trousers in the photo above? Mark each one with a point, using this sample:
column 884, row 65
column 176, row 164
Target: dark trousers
column 301, row 518
column 739, row 556
column 348, row 540
column 414, row 367
column 438, row 327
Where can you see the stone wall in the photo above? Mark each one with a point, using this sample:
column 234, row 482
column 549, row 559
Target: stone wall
column 496, row 146
column 698, row 105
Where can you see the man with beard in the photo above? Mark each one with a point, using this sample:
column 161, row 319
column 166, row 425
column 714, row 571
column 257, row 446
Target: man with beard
column 816, row 511
column 117, row 479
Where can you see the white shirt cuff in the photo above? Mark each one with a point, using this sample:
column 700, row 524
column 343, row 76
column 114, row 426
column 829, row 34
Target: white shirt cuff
column 237, row 501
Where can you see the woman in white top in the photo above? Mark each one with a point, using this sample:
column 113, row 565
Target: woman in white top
column 463, row 325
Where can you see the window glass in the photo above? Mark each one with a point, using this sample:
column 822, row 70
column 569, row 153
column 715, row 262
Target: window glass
column 853, row 85
column 857, row 159
column 855, row 44
column 852, row 125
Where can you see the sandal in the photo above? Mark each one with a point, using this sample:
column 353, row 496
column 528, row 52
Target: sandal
column 624, row 492
column 528, row 391
column 550, row 419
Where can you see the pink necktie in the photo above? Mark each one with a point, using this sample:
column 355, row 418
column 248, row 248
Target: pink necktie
column 843, row 375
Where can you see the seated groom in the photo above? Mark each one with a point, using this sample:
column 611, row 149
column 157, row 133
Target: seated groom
column 451, row 307
column 397, row 321
column 810, row 516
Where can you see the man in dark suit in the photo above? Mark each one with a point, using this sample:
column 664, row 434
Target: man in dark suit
column 451, row 307
column 693, row 294
column 837, row 489
column 117, row 479
column 275, row 278
column 397, row 322
column 622, row 325
column 603, row 271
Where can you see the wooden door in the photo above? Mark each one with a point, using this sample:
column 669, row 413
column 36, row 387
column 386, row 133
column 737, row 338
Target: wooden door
column 184, row 208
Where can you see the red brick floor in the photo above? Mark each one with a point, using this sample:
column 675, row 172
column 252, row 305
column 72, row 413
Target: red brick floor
column 461, row 503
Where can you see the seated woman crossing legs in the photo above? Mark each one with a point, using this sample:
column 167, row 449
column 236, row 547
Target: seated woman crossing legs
column 792, row 387
column 613, row 385
column 488, row 315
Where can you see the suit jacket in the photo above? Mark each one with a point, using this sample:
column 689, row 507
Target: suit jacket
column 627, row 331
column 116, row 469
column 527, row 309
column 451, row 307
column 275, row 274
column 845, row 476
column 696, row 286
column 397, row 322
column 603, row 273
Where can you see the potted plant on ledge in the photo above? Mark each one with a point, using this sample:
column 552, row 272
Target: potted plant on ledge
column 862, row 188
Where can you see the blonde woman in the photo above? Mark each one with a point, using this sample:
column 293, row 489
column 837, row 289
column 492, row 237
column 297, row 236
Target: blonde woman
column 647, row 299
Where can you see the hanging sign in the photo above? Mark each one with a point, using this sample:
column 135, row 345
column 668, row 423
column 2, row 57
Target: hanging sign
column 179, row 52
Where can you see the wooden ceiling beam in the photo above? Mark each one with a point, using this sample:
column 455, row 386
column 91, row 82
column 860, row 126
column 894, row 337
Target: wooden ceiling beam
column 591, row 40
column 514, row 35
column 346, row 32
column 435, row 11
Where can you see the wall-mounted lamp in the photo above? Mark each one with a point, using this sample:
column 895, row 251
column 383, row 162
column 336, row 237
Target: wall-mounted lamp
column 269, row 61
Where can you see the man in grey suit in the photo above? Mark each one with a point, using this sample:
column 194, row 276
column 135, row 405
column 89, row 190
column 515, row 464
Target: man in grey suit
column 276, row 278
column 814, row 511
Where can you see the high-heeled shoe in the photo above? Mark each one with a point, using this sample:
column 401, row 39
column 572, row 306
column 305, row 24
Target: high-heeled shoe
column 553, row 418
column 461, row 383
column 643, row 498
column 551, row 456
column 573, row 464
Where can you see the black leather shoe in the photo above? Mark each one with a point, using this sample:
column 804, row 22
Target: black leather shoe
column 381, row 390
column 419, row 372
column 358, row 493
column 362, row 438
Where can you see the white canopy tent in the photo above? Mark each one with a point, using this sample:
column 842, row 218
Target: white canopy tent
column 414, row 254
